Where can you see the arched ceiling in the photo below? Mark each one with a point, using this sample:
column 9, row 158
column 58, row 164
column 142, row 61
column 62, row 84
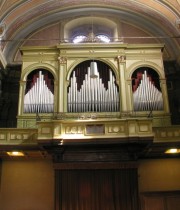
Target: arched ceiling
column 20, row 19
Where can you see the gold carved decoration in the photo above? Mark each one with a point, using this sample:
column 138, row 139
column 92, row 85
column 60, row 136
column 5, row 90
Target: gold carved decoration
column 116, row 129
column 73, row 129
column 62, row 60
column 121, row 58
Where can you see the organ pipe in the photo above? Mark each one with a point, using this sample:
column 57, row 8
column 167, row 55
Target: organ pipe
column 94, row 69
column 147, row 97
column 39, row 99
column 93, row 96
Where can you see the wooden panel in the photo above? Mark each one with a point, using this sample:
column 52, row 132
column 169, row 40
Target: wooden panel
column 173, row 202
column 160, row 200
column 153, row 203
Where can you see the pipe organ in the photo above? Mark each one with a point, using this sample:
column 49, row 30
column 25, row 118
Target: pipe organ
column 39, row 98
column 93, row 96
column 146, row 96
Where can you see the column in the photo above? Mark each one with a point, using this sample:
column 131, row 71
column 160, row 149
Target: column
column 62, row 87
column 122, row 84
column 129, row 96
column 165, row 95
column 21, row 97
column 0, row 82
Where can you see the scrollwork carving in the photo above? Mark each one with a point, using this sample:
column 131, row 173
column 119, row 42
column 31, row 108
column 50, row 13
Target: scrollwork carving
column 121, row 58
column 62, row 60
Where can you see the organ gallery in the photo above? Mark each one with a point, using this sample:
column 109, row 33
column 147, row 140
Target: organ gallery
column 89, row 105
column 118, row 79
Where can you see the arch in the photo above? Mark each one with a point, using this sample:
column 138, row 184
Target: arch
column 63, row 15
column 85, row 25
column 92, row 88
column 148, row 64
column 146, row 89
column 77, row 62
column 150, row 73
column 38, row 96
column 35, row 66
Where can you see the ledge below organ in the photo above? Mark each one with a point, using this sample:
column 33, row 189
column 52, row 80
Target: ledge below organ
column 70, row 131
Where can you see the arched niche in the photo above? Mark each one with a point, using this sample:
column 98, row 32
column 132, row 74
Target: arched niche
column 87, row 25
column 146, row 89
column 105, row 62
column 45, row 66
column 92, row 88
column 39, row 92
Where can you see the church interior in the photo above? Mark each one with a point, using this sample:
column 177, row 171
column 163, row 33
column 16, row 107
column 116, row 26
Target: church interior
column 89, row 105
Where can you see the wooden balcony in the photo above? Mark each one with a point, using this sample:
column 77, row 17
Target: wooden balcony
column 134, row 134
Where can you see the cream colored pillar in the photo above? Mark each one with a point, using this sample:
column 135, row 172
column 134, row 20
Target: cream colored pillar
column 21, row 97
column 62, row 86
column 129, row 96
column 56, row 92
column 165, row 95
column 122, row 84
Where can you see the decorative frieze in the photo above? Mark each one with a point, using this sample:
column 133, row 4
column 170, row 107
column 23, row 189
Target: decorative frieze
column 171, row 133
column 17, row 136
column 2, row 137
column 73, row 129
column 116, row 129
column 84, row 129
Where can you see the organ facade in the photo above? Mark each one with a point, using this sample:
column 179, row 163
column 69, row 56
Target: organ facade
column 129, row 82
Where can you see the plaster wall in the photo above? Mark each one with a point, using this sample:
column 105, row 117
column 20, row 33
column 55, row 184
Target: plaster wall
column 159, row 175
column 27, row 185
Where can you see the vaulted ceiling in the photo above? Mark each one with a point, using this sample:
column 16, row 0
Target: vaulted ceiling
column 34, row 22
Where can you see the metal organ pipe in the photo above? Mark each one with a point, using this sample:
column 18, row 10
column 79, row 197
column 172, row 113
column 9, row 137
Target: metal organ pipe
column 39, row 98
column 147, row 97
column 93, row 96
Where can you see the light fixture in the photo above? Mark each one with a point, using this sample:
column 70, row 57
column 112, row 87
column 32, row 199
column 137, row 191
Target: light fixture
column 93, row 69
column 15, row 153
column 172, row 151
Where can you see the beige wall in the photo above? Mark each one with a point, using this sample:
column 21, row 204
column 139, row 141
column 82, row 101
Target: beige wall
column 27, row 185
column 159, row 175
